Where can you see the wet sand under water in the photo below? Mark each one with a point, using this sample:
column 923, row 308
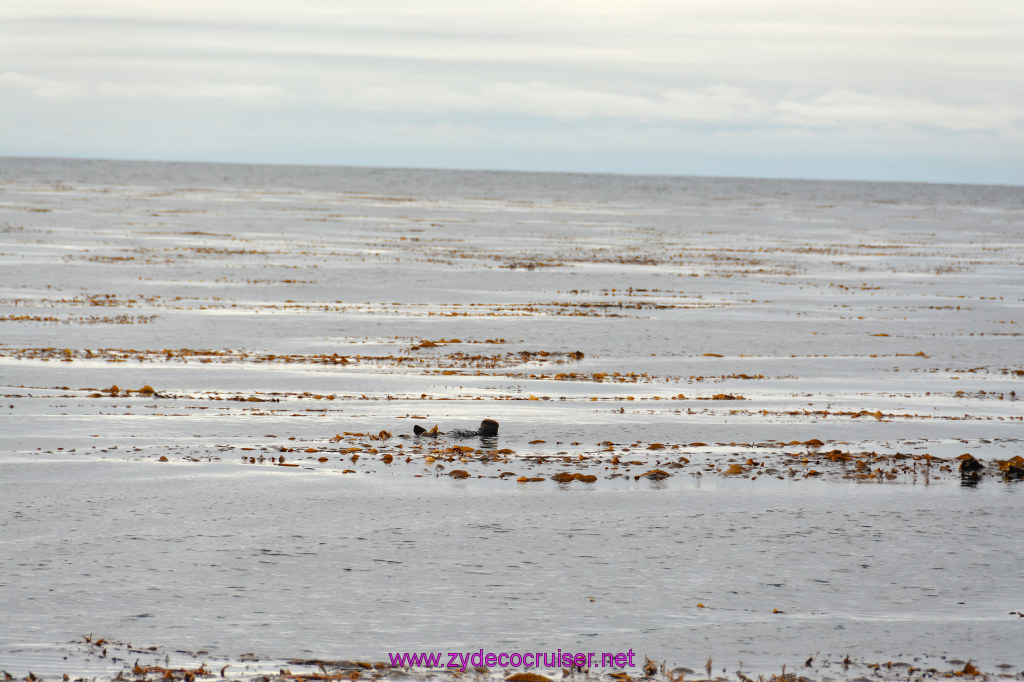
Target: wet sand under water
column 731, row 415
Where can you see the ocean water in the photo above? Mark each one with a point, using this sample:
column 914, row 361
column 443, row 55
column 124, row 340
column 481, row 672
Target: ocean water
column 209, row 376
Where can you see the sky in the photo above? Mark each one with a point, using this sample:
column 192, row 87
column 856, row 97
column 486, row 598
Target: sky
column 921, row 90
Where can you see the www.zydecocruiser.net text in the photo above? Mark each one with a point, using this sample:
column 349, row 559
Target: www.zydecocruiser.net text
column 528, row 659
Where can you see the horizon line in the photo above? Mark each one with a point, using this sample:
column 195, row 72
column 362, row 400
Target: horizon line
column 458, row 169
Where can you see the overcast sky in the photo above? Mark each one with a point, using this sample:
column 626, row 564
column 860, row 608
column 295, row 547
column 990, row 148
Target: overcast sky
column 927, row 90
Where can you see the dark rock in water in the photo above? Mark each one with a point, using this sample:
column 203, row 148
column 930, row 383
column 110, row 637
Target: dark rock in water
column 1014, row 473
column 488, row 429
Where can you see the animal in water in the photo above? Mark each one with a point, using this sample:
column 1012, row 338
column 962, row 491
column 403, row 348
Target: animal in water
column 969, row 467
column 488, row 429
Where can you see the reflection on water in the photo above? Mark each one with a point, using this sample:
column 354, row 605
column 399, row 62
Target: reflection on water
column 803, row 361
column 209, row 557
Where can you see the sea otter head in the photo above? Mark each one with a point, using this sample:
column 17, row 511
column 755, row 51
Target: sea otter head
column 488, row 428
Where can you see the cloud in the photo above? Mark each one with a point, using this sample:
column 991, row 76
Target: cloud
column 542, row 99
column 41, row 88
column 845, row 108
column 67, row 91
column 242, row 93
column 706, row 77
column 718, row 105
column 538, row 98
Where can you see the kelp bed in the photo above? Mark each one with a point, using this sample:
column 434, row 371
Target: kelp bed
column 150, row 664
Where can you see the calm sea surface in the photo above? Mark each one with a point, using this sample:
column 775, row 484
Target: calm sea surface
column 209, row 376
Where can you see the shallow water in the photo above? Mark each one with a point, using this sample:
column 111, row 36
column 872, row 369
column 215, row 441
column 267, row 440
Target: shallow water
column 225, row 559
column 281, row 312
